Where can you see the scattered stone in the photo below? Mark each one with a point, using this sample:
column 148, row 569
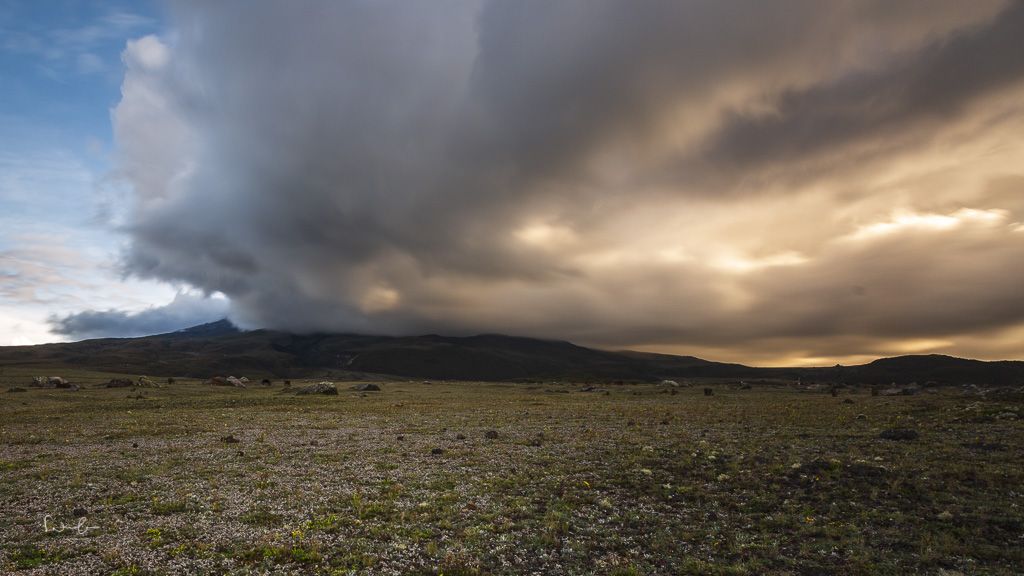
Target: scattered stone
column 671, row 383
column 899, row 434
column 320, row 388
column 230, row 439
column 1007, row 416
column 79, row 512
column 135, row 444
column 237, row 383
column 120, row 383
column 708, row 392
column 491, row 434
column 145, row 382
column 460, row 436
column 243, row 380
column 945, row 516
column 437, row 451
column 400, row 437
column 366, row 387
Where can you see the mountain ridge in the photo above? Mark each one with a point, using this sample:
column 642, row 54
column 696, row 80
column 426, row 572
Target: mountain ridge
column 221, row 348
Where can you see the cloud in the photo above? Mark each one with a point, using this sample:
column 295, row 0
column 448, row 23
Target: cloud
column 184, row 311
column 716, row 174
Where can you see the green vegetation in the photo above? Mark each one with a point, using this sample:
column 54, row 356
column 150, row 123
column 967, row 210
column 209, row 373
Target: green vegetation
column 769, row 480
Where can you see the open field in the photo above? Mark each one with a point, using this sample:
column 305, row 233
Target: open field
column 622, row 480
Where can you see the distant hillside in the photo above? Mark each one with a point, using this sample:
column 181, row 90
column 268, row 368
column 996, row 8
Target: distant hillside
column 220, row 348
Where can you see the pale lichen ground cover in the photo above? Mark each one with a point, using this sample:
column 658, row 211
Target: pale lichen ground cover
column 635, row 481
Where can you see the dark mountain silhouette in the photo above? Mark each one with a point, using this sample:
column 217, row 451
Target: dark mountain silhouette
column 220, row 348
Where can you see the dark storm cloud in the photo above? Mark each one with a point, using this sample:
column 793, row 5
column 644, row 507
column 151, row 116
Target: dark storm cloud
column 182, row 312
column 928, row 87
column 490, row 166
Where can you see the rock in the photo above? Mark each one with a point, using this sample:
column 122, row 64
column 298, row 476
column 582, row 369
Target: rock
column 236, row 382
column 39, row 381
column 135, row 444
column 708, row 392
column 366, row 387
column 243, row 380
column 287, row 383
column 671, row 383
column 16, row 389
column 899, row 434
column 230, row 439
column 862, row 416
column 400, row 437
column 945, row 516
column 460, row 436
column 79, row 512
column 889, row 392
column 145, row 382
column 327, row 388
column 266, row 382
column 491, row 434
column 847, row 401
column 589, row 389
column 1007, row 416
column 120, row 383
column 170, row 381
column 437, row 451
column 56, row 382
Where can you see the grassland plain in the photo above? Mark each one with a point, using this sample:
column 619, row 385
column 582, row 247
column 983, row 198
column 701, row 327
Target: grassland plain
column 190, row 479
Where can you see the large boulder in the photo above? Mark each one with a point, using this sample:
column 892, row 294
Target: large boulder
column 56, row 382
column 222, row 381
column 319, row 388
column 146, row 382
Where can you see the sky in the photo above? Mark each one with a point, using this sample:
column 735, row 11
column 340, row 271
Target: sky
column 785, row 183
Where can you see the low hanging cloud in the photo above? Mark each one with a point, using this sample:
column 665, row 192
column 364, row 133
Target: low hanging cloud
column 684, row 175
column 184, row 311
